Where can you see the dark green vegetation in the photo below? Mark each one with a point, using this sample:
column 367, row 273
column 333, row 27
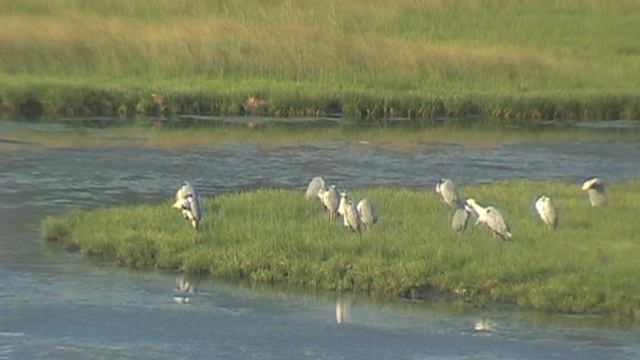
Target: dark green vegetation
column 505, row 60
column 588, row 265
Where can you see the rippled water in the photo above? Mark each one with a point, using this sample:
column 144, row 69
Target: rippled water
column 59, row 305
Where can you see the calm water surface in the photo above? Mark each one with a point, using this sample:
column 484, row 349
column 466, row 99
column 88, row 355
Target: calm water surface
column 55, row 305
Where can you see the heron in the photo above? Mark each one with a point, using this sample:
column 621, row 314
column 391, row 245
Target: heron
column 491, row 218
column 342, row 203
column 595, row 189
column 192, row 208
column 547, row 211
column 448, row 192
column 351, row 216
column 315, row 185
column 460, row 219
column 184, row 290
column 331, row 201
column 186, row 189
column 367, row 213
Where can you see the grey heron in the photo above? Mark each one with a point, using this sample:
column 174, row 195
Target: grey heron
column 342, row 203
column 491, row 218
column 546, row 210
column 331, row 201
column 351, row 216
column 193, row 210
column 448, row 192
column 596, row 191
column 367, row 213
column 186, row 189
column 314, row 186
column 460, row 219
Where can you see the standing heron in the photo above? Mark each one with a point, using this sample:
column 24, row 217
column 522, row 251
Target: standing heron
column 331, row 200
column 491, row 218
column 351, row 216
column 193, row 209
column 460, row 219
column 448, row 192
column 315, row 185
column 595, row 189
column 343, row 203
column 367, row 213
column 547, row 211
column 186, row 189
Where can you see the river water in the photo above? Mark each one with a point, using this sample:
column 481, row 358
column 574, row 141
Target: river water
column 57, row 305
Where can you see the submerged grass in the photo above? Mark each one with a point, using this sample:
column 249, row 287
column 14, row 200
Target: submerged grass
column 509, row 60
column 396, row 137
column 587, row 265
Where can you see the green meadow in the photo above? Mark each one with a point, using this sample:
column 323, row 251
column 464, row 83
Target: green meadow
column 588, row 265
column 503, row 60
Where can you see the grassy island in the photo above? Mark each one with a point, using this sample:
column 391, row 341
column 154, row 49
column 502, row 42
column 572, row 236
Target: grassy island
column 588, row 265
column 506, row 60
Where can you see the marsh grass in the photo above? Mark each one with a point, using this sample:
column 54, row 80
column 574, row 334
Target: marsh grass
column 508, row 60
column 587, row 265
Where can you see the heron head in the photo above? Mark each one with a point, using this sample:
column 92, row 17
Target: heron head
column 592, row 184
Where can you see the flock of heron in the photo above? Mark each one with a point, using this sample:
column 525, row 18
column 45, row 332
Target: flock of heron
column 491, row 217
column 364, row 214
column 355, row 217
column 337, row 205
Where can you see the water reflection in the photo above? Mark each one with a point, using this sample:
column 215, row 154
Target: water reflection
column 343, row 310
column 184, row 290
column 78, row 308
column 484, row 325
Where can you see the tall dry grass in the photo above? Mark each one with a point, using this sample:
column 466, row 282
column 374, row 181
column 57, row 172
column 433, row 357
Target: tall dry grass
column 309, row 54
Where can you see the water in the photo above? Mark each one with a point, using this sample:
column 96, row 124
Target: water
column 56, row 305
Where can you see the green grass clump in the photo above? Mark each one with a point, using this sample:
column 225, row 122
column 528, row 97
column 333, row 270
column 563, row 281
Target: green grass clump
column 509, row 60
column 587, row 265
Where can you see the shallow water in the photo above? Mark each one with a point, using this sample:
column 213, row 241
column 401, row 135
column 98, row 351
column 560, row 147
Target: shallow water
column 63, row 306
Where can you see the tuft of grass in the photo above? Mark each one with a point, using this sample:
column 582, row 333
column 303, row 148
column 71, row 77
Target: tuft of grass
column 508, row 60
column 587, row 265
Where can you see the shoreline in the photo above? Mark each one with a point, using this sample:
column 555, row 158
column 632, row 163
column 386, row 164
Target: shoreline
column 422, row 109
column 250, row 235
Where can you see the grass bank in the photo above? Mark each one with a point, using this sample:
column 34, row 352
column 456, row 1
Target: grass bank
column 506, row 60
column 588, row 265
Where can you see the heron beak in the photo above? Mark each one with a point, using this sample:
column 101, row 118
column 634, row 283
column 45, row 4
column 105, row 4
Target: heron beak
column 178, row 204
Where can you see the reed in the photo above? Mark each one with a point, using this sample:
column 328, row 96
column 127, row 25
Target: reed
column 507, row 60
column 587, row 265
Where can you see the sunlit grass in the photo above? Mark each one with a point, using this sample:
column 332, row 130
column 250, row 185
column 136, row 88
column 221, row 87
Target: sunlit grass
column 587, row 265
column 508, row 60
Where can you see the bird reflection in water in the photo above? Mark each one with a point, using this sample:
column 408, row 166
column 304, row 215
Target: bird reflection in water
column 484, row 325
column 184, row 290
column 343, row 310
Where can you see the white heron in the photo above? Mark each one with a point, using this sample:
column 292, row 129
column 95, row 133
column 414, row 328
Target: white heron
column 546, row 210
column 351, row 216
column 314, row 186
column 491, row 218
column 367, row 213
column 448, row 192
column 596, row 191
